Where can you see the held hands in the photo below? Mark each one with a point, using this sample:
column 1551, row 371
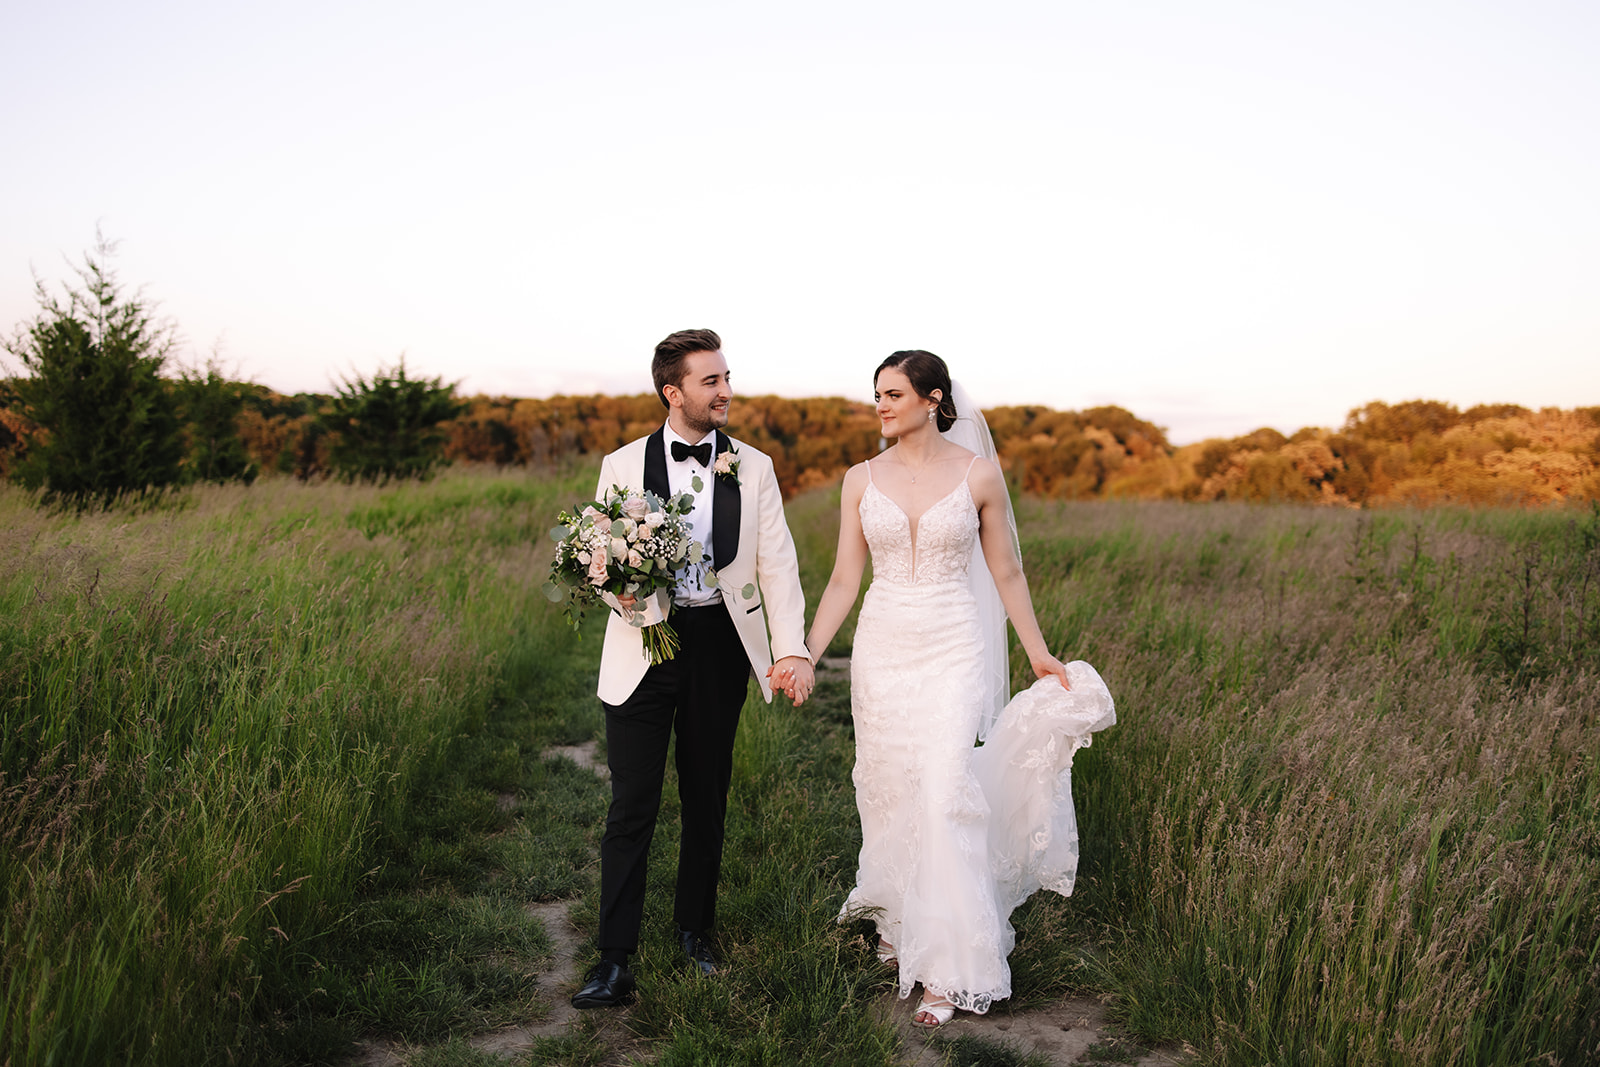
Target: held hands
column 1046, row 665
column 793, row 676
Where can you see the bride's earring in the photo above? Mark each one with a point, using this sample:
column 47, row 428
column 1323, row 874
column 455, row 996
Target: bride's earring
column 930, row 414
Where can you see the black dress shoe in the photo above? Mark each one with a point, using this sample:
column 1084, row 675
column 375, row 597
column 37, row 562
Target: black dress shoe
column 698, row 950
column 605, row 986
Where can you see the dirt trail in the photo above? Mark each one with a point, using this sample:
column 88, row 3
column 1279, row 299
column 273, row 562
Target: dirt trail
column 1074, row 1031
column 559, row 977
column 1068, row 1032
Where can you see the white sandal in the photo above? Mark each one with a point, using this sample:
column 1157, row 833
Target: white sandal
column 940, row 1011
column 886, row 954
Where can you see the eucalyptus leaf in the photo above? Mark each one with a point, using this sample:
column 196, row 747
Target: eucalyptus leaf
column 748, row 591
column 697, row 483
column 619, row 528
column 560, row 533
column 554, row 592
column 711, row 579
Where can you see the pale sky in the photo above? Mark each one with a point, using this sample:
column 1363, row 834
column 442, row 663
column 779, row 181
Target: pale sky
column 1218, row 215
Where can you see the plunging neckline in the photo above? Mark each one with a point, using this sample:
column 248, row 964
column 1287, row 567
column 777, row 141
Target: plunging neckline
column 914, row 526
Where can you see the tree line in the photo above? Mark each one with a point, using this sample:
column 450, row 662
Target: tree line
column 98, row 415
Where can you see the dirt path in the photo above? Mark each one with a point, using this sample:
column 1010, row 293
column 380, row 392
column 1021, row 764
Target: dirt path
column 1074, row 1031
column 559, row 978
column 1068, row 1032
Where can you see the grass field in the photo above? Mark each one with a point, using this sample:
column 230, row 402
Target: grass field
column 213, row 714
column 255, row 740
column 1349, row 814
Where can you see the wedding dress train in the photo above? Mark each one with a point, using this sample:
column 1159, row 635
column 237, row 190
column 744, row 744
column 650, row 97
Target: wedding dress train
column 954, row 836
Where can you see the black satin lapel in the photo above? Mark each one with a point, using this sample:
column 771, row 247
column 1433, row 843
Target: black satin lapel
column 725, row 501
column 655, row 465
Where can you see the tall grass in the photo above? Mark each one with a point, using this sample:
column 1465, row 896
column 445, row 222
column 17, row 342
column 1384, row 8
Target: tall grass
column 1348, row 814
column 207, row 712
column 1351, row 809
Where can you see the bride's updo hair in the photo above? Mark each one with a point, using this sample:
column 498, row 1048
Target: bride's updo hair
column 926, row 372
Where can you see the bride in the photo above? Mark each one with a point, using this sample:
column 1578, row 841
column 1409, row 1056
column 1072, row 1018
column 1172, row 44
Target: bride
column 953, row 836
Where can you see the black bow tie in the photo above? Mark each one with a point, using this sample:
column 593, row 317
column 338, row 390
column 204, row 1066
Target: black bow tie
column 701, row 452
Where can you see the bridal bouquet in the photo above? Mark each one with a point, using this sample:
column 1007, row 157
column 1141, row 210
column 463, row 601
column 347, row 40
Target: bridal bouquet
column 629, row 544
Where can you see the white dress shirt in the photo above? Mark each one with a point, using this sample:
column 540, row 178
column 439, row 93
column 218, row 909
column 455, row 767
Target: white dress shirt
column 691, row 588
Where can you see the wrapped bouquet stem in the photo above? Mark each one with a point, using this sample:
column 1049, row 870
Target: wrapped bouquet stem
column 649, row 616
column 630, row 544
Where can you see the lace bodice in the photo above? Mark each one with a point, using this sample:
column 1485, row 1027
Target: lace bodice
column 939, row 549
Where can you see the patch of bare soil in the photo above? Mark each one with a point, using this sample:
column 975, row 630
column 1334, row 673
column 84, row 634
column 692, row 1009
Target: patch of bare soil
column 1072, row 1031
column 583, row 756
column 378, row 1054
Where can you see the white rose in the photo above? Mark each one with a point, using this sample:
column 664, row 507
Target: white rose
column 635, row 507
column 634, row 558
column 654, row 519
column 583, row 557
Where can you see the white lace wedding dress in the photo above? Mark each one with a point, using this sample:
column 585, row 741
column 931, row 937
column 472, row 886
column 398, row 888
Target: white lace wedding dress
column 953, row 837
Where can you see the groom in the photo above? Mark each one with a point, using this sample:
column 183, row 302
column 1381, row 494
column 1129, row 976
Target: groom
column 721, row 610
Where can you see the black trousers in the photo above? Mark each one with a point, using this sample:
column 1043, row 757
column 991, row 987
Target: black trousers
column 698, row 694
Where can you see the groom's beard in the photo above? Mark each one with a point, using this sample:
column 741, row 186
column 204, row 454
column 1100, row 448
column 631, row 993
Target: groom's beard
column 706, row 419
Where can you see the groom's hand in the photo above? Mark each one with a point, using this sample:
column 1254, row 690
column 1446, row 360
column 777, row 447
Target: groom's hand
column 794, row 676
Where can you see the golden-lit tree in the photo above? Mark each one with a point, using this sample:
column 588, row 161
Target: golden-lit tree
column 1417, row 452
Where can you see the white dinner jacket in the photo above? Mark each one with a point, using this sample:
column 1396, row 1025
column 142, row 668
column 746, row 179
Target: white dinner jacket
column 760, row 585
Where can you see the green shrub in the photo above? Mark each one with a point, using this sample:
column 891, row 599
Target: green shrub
column 388, row 426
column 209, row 405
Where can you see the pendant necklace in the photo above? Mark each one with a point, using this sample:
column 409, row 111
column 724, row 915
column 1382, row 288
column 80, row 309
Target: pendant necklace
column 919, row 469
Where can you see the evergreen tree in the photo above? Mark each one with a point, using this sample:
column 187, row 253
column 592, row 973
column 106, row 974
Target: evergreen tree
column 388, row 426
column 209, row 404
column 93, row 385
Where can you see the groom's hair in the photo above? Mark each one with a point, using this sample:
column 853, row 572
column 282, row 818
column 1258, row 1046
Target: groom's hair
column 667, row 367
column 926, row 372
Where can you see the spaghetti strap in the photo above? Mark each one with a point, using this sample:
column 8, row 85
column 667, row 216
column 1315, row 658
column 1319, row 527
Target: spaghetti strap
column 974, row 462
column 869, row 470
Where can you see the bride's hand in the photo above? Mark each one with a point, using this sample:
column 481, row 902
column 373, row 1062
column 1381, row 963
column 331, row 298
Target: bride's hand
column 793, row 677
column 1046, row 665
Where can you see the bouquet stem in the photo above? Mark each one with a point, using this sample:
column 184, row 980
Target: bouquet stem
column 660, row 642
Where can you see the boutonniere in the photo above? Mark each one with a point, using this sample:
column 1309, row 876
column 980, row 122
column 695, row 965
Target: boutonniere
column 727, row 466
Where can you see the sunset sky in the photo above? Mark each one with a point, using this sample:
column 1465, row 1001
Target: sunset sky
column 1219, row 215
